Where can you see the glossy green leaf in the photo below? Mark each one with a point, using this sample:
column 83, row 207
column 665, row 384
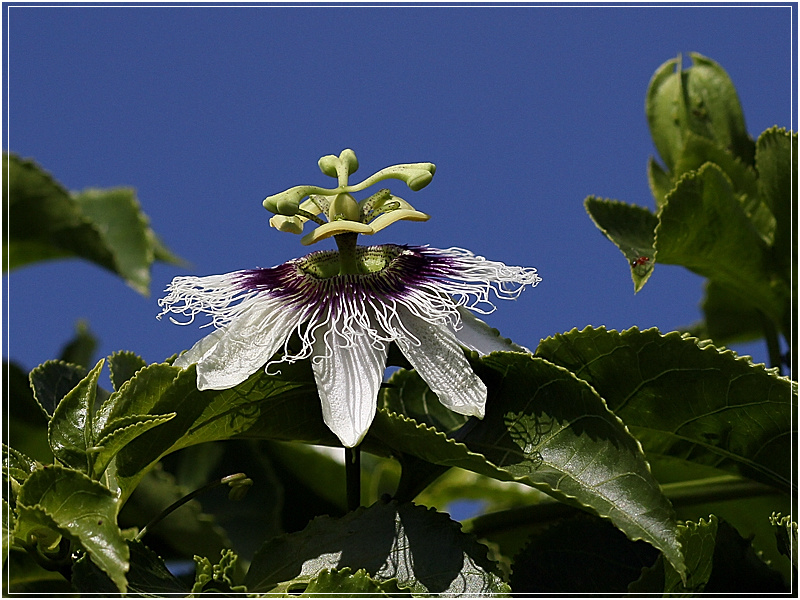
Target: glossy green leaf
column 631, row 229
column 106, row 227
column 148, row 576
column 703, row 227
column 264, row 406
column 557, row 436
column 407, row 394
column 421, row 549
column 71, row 432
column 119, row 433
column 79, row 508
column 660, row 181
column 687, row 400
column 123, row 366
column 17, row 465
column 51, row 381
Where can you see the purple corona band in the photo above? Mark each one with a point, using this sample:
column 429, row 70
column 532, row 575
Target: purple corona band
column 414, row 297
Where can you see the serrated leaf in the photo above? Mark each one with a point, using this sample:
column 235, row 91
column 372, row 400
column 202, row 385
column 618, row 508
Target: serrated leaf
column 106, row 227
column 406, row 393
column 703, row 227
column 776, row 162
column 686, row 399
column 423, row 550
column 120, row 432
column 18, row 465
column 698, row 541
column 51, row 381
column 71, row 431
column 79, row 508
column 264, row 406
column 557, row 436
column 148, row 576
column 631, row 228
column 123, row 366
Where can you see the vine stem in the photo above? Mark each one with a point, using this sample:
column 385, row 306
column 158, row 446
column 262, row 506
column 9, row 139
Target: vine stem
column 352, row 463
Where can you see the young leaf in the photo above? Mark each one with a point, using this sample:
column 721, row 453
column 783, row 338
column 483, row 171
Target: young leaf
column 687, row 400
column 421, row 549
column 124, row 365
column 120, row 432
column 786, row 536
column 216, row 579
column 79, row 508
column 631, row 228
column 51, row 381
column 546, row 428
column 702, row 226
column 71, row 431
column 344, row 582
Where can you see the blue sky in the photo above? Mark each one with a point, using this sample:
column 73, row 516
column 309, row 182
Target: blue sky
column 525, row 110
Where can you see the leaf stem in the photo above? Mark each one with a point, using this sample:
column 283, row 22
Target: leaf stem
column 352, row 462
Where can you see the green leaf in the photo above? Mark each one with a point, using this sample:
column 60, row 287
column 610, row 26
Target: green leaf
column 17, row 465
column 264, row 406
column 123, row 366
column 776, row 162
column 80, row 349
column 557, row 436
column 148, row 576
column 51, row 381
column 698, row 541
column 106, row 227
column 631, row 228
column 344, row 582
column 580, row 556
column 686, row 399
column 79, row 508
column 703, row 227
column 726, row 320
column 659, row 180
column 700, row 100
column 421, row 549
column 119, row 433
column 71, row 431
column 216, row 579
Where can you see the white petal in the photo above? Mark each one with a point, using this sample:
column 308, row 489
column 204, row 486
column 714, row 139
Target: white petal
column 441, row 363
column 230, row 355
column 477, row 335
column 348, row 379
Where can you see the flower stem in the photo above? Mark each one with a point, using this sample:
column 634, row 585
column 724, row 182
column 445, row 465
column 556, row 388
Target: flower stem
column 352, row 463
